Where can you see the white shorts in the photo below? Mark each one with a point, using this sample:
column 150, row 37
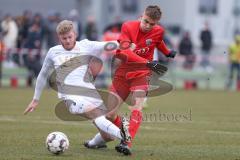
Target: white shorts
column 81, row 104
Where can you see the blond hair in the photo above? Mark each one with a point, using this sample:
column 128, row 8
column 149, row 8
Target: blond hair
column 154, row 12
column 64, row 27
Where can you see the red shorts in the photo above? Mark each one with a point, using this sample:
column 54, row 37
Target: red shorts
column 123, row 87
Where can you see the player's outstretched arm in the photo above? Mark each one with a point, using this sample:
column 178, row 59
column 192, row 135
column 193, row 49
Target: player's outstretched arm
column 129, row 56
column 31, row 107
column 164, row 49
column 40, row 84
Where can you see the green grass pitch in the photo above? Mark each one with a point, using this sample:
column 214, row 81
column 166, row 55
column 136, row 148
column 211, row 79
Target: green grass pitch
column 180, row 125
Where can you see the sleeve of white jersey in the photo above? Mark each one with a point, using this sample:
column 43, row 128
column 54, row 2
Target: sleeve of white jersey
column 97, row 47
column 43, row 76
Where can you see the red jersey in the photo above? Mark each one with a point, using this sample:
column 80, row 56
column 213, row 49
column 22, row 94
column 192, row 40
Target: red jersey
column 145, row 45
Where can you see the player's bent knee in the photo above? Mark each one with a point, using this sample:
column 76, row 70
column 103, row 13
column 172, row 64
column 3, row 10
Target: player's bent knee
column 108, row 138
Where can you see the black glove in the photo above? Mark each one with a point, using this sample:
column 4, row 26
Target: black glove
column 157, row 67
column 172, row 54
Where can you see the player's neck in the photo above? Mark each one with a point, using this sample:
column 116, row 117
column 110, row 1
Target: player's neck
column 144, row 31
column 69, row 49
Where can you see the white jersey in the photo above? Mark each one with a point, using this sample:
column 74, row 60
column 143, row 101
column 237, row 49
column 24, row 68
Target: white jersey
column 57, row 56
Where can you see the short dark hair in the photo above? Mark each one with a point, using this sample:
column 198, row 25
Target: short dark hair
column 154, row 12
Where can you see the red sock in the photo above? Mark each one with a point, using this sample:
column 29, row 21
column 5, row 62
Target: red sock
column 118, row 121
column 135, row 122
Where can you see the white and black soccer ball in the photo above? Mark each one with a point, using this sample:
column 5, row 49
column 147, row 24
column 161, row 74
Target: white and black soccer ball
column 57, row 142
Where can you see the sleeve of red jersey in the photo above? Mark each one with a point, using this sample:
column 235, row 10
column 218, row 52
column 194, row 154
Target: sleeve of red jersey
column 125, row 53
column 161, row 46
column 129, row 56
column 124, row 36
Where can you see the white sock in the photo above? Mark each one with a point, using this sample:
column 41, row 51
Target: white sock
column 96, row 140
column 108, row 127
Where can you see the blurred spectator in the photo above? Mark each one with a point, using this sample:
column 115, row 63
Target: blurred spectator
column 53, row 19
column 206, row 41
column 27, row 20
column 74, row 16
column 116, row 25
column 20, row 24
column 9, row 32
column 186, row 50
column 91, row 29
column 35, row 34
column 24, row 40
column 38, row 19
column 20, row 40
column 113, row 30
column 34, row 44
column 234, row 59
column 111, row 34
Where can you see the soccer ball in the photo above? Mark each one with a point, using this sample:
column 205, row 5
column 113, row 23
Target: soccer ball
column 57, row 142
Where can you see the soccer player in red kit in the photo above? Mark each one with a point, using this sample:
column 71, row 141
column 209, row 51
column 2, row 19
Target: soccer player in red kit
column 144, row 35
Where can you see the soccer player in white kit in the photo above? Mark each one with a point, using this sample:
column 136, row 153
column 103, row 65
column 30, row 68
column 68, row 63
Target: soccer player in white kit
column 69, row 55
